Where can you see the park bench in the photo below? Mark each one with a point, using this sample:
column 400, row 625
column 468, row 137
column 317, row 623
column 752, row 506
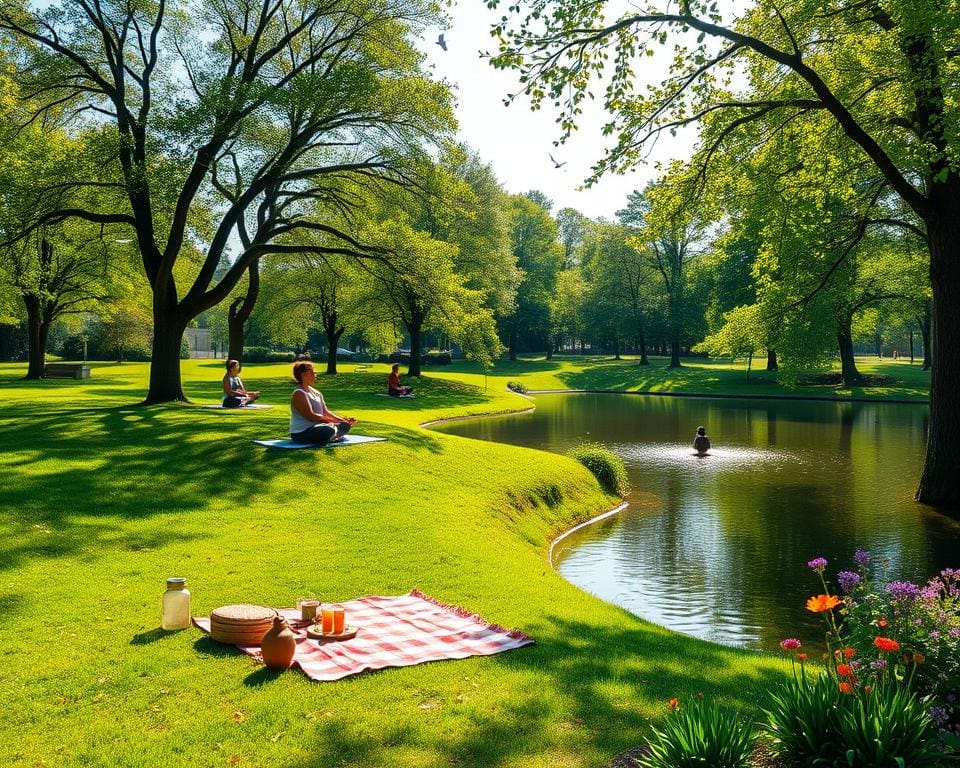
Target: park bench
column 66, row 371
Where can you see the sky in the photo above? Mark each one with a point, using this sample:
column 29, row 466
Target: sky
column 516, row 141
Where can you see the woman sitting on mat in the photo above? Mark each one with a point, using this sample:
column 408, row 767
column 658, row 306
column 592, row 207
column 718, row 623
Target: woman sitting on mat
column 310, row 419
column 393, row 383
column 235, row 395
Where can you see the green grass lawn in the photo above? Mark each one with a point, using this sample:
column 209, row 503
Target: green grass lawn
column 102, row 499
column 706, row 377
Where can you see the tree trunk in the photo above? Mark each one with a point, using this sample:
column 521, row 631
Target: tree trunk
column 415, row 329
column 165, row 384
column 513, row 342
column 941, row 466
column 848, row 366
column 240, row 311
column 911, row 346
column 925, row 331
column 333, row 341
column 36, row 337
column 675, row 353
column 616, row 348
column 772, row 364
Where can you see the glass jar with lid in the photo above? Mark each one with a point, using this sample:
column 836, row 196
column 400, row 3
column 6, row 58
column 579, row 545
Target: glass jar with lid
column 176, row 604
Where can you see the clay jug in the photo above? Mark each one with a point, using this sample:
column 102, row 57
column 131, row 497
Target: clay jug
column 278, row 645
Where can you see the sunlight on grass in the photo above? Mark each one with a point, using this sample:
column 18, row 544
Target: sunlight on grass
column 103, row 499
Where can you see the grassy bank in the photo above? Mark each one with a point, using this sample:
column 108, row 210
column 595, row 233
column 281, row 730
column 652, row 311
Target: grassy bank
column 103, row 499
column 898, row 379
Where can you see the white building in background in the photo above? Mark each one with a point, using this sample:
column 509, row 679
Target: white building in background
column 200, row 344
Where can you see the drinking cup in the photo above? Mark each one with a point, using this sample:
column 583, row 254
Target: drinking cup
column 308, row 608
column 326, row 619
column 339, row 620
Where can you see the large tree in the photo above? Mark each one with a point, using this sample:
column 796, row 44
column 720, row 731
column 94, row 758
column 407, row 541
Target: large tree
column 533, row 235
column 883, row 70
column 249, row 111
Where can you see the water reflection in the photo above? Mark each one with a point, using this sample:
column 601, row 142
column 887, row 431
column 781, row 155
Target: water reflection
column 716, row 546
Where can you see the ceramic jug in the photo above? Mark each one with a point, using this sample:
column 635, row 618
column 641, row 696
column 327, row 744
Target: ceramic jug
column 278, row 645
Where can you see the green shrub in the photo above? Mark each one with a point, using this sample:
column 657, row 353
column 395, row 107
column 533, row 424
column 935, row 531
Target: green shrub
column 436, row 357
column 605, row 465
column 803, row 720
column 700, row 736
column 264, row 355
column 889, row 727
column 517, row 386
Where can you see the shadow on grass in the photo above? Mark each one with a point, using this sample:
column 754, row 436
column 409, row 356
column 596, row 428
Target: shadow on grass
column 586, row 678
column 74, row 477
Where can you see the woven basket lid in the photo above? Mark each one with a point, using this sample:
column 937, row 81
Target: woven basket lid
column 242, row 615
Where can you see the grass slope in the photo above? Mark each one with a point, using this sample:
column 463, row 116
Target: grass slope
column 706, row 377
column 103, row 499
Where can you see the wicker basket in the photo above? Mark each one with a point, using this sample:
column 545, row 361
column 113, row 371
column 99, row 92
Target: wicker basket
column 241, row 624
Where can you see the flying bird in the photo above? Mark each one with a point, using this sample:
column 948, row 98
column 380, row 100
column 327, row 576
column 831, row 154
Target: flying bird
column 442, row 41
column 555, row 163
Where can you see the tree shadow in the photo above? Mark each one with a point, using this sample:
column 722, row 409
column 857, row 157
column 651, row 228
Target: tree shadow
column 594, row 671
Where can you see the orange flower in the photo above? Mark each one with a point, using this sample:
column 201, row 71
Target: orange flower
column 844, row 670
column 881, row 623
column 849, row 652
column 845, row 687
column 868, row 689
column 821, row 603
column 919, row 658
column 801, row 657
column 886, row 645
column 673, row 703
column 907, row 658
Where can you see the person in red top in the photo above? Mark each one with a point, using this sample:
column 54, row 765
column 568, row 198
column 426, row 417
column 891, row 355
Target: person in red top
column 393, row 383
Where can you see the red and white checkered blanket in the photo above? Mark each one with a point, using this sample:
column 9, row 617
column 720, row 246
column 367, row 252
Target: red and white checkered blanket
column 393, row 632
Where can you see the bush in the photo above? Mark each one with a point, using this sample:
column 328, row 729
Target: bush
column 802, row 720
column 605, row 465
column 517, row 386
column 264, row 355
column 435, row 357
column 700, row 736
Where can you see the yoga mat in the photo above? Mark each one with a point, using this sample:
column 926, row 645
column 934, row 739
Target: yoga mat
column 254, row 407
column 290, row 445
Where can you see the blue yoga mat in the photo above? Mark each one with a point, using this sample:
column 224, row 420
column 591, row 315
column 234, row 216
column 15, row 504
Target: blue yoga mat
column 252, row 407
column 290, row 445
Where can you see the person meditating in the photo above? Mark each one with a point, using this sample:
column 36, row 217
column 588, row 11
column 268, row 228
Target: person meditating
column 235, row 395
column 701, row 443
column 393, row 383
column 310, row 419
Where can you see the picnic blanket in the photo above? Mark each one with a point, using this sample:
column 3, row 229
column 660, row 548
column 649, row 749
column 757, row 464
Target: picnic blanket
column 348, row 440
column 393, row 632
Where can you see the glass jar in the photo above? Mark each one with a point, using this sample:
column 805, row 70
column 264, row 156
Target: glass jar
column 176, row 605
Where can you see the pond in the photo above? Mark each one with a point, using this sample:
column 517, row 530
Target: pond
column 716, row 547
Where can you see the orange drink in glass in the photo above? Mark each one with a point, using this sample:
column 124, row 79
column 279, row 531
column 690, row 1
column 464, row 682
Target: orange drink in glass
column 339, row 620
column 326, row 619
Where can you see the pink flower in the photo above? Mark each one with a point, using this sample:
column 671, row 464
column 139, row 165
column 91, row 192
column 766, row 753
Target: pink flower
column 790, row 644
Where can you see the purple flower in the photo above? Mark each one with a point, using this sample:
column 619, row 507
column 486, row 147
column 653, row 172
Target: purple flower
column 818, row 564
column 954, row 632
column 934, row 634
column 938, row 715
column 848, row 580
column 902, row 590
column 879, row 664
column 862, row 558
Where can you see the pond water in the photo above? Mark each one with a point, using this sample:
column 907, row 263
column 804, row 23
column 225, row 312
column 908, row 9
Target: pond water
column 717, row 546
